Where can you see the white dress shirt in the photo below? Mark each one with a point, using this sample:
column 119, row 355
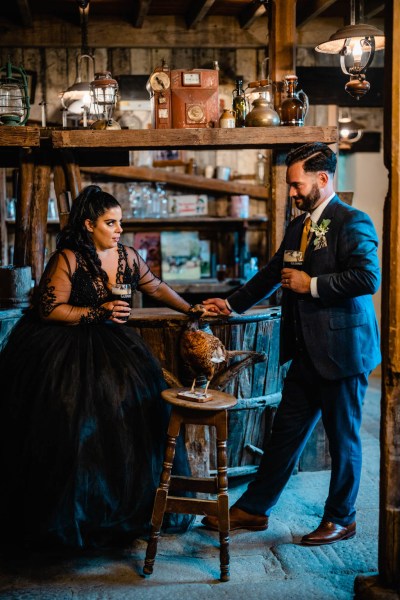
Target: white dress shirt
column 315, row 215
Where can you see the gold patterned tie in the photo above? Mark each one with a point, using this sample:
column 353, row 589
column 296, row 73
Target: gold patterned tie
column 305, row 234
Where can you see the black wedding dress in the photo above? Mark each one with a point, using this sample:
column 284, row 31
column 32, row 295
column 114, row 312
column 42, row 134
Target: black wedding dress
column 82, row 423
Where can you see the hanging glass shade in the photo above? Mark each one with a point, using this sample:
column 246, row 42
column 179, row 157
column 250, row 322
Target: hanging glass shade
column 14, row 96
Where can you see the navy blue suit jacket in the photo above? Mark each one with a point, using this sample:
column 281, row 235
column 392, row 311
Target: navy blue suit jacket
column 339, row 329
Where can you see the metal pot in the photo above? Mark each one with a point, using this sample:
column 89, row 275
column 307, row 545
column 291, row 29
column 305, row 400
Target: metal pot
column 262, row 114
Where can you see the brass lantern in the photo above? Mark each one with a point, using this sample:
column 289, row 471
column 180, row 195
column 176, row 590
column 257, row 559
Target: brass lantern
column 14, row 95
column 104, row 90
column 356, row 44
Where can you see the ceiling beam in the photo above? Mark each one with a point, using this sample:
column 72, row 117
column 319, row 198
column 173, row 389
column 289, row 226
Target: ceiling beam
column 251, row 12
column 140, row 12
column 25, row 13
column 197, row 12
column 375, row 11
column 306, row 12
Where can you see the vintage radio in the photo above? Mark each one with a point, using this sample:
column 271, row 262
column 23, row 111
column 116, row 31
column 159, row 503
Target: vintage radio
column 183, row 98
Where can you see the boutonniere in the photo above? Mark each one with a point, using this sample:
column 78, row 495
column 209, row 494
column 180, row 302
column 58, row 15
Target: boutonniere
column 320, row 233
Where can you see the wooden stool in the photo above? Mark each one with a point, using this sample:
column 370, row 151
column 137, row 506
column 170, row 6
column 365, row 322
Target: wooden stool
column 212, row 413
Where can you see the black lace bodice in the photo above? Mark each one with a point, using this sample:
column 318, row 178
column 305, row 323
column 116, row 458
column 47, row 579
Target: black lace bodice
column 68, row 291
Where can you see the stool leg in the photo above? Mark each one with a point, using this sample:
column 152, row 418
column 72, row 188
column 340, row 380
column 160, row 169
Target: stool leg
column 223, row 501
column 160, row 501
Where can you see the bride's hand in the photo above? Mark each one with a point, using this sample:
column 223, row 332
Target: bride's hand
column 119, row 309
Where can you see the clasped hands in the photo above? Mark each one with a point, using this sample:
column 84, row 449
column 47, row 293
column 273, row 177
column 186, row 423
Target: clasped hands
column 291, row 279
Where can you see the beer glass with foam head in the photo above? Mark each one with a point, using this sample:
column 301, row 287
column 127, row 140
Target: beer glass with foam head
column 122, row 291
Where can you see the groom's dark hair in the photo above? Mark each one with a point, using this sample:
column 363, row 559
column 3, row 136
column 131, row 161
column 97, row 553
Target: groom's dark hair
column 316, row 156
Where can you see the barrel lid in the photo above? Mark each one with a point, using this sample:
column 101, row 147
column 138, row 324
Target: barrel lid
column 160, row 317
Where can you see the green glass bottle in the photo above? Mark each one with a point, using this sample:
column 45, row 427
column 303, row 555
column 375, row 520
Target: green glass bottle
column 239, row 104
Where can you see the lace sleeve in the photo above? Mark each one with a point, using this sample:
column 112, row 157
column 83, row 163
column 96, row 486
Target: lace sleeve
column 55, row 290
column 153, row 286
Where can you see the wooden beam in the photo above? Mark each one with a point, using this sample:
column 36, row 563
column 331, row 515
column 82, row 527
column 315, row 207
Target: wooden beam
column 25, row 13
column 373, row 12
column 140, row 12
column 141, row 139
column 22, row 137
column 251, row 12
column 306, row 12
column 165, row 32
column 197, row 12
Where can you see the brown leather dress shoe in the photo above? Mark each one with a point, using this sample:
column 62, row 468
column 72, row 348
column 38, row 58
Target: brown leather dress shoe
column 329, row 533
column 239, row 519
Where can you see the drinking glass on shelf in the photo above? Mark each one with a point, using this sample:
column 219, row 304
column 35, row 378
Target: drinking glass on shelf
column 122, row 291
column 221, row 272
column 149, row 202
column 136, row 202
column 162, row 199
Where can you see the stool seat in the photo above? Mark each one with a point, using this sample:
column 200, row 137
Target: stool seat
column 212, row 413
column 220, row 400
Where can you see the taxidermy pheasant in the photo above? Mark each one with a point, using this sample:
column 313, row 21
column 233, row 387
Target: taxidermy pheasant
column 203, row 353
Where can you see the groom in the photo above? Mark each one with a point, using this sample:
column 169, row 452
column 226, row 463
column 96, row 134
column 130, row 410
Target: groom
column 328, row 331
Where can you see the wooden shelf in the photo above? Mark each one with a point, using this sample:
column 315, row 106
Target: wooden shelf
column 189, row 223
column 195, row 139
column 19, row 136
column 180, row 180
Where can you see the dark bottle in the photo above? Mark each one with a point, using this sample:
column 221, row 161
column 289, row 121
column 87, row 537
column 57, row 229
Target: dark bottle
column 239, row 104
column 295, row 106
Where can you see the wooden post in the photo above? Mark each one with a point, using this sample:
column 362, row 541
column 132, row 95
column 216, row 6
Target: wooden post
column 39, row 206
column 282, row 39
column 389, row 514
column 389, row 532
column 23, row 208
column 67, row 183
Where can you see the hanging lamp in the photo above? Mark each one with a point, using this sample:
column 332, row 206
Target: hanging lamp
column 356, row 44
column 76, row 100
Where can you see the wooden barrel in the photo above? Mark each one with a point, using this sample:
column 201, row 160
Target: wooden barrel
column 258, row 387
column 15, row 286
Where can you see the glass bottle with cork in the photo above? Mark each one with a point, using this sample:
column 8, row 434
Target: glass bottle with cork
column 239, row 103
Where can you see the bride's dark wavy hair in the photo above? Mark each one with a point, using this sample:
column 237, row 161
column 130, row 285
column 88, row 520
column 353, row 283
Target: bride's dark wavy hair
column 90, row 204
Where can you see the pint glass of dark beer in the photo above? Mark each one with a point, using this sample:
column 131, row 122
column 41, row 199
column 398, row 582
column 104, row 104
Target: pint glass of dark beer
column 122, row 291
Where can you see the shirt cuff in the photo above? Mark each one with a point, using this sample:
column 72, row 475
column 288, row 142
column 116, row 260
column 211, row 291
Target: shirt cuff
column 314, row 287
column 228, row 306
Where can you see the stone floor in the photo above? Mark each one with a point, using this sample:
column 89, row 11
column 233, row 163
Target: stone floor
column 264, row 565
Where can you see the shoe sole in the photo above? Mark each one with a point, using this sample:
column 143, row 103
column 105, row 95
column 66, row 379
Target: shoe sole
column 325, row 543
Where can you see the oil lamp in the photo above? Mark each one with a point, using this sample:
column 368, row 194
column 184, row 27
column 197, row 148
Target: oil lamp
column 77, row 96
column 75, row 100
column 14, row 96
column 104, row 90
column 356, row 44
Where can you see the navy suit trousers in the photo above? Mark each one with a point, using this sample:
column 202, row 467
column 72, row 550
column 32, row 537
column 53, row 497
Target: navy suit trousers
column 305, row 397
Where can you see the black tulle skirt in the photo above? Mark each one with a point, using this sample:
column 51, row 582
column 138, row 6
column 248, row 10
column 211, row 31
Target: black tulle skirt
column 82, row 434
